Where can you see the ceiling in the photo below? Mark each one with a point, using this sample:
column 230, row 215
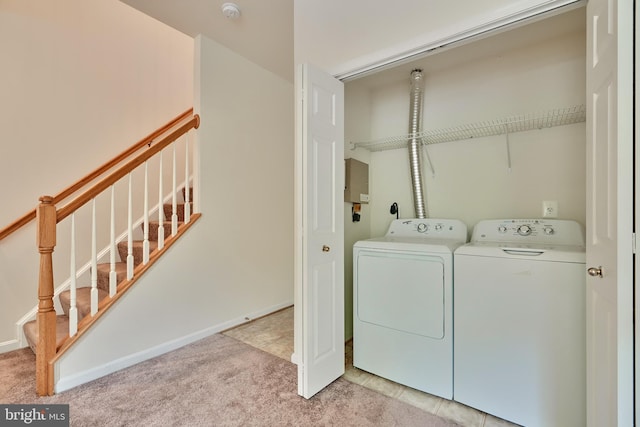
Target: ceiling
column 335, row 35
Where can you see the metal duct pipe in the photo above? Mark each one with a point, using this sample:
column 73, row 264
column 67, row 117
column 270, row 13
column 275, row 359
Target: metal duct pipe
column 415, row 126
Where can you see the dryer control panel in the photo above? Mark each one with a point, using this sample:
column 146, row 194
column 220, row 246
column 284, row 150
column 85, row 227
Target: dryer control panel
column 530, row 231
column 428, row 227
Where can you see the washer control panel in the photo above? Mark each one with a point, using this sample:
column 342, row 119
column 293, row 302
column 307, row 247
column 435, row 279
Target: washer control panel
column 428, row 227
column 529, row 231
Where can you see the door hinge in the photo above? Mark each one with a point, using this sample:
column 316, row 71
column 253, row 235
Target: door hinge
column 633, row 242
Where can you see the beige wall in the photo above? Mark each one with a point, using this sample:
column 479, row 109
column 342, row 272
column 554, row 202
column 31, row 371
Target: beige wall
column 80, row 81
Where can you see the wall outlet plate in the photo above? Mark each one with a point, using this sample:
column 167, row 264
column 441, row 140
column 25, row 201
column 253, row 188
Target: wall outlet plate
column 550, row 209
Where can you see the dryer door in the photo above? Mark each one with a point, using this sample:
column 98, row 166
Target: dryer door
column 401, row 291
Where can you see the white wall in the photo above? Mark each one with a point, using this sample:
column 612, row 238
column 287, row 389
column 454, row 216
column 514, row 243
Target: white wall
column 472, row 181
column 237, row 260
column 80, row 82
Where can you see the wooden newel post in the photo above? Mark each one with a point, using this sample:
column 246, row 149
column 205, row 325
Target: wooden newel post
column 46, row 318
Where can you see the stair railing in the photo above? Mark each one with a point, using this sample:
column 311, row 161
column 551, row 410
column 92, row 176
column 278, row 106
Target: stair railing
column 64, row 194
column 49, row 216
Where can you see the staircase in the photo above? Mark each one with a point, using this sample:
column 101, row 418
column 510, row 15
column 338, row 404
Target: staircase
column 53, row 333
column 83, row 294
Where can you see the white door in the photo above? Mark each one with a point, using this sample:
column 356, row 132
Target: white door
column 609, row 213
column 319, row 310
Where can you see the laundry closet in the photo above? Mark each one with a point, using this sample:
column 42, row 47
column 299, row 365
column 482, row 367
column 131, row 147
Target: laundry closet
column 532, row 76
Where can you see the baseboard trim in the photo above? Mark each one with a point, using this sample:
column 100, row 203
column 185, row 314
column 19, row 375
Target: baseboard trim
column 10, row 345
column 66, row 383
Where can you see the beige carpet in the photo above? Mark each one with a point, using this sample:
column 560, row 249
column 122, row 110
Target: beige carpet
column 217, row 381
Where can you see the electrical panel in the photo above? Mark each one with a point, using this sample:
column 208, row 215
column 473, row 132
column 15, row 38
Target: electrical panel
column 356, row 183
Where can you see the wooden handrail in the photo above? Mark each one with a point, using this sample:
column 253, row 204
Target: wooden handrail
column 18, row 224
column 147, row 140
column 126, row 168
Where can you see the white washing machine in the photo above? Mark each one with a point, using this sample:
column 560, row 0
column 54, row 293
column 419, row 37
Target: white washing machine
column 519, row 304
column 402, row 284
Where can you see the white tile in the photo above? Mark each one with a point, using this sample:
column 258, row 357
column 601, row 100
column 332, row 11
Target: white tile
column 491, row 421
column 425, row 401
column 461, row 414
column 383, row 386
column 356, row 375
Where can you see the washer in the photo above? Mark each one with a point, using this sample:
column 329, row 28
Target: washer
column 402, row 284
column 520, row 321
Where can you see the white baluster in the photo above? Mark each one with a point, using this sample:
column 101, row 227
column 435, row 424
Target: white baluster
column 187, row 205
column 113, row 275
column 174, row 203
column 94, row 262
column 160, row 209
column 145, row 243
column 73, row 310
column 130, row 233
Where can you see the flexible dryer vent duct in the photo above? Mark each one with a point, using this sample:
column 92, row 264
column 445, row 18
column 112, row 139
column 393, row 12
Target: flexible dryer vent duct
column 415, row 126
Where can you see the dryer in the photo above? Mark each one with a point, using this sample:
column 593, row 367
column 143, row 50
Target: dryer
column 402, row 284
column 520, row 321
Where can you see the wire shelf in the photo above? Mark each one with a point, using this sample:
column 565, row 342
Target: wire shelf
column 521, row 123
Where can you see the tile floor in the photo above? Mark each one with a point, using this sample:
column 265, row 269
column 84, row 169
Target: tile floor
column 274, row 334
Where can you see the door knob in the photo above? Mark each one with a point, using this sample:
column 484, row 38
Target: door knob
column 325, row 248
column 595, row 271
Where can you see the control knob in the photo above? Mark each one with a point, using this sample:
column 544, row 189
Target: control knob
column 548, row 231
column 438, row 227
column 524, row 230
column 502, row 229
column 422, row 227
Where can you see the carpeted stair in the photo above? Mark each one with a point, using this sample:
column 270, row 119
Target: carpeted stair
column 83, row 294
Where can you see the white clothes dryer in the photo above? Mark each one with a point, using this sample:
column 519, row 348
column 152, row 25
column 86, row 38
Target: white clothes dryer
column 402, row 285
column 520, row 321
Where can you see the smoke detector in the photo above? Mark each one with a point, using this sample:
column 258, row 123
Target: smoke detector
column 231, row 10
